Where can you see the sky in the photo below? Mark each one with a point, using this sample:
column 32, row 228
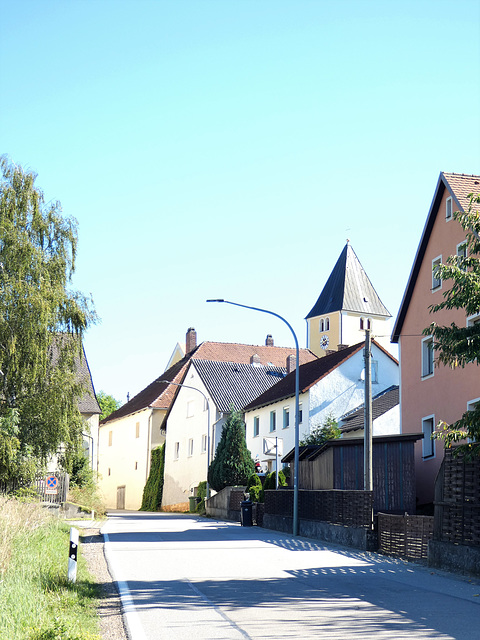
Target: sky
column 228, row 149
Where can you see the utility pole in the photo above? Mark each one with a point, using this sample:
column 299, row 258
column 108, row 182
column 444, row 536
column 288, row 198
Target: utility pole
column 368, row 476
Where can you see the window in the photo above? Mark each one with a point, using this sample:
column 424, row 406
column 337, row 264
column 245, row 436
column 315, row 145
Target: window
column 322, row 325
column 137, row 430
column 136, row 466
column 190, row 447
column 204, row 443
column 428, row 445
column 369, row 323
column 471, row 406
column 461, row 254
column 110, row 438
column 176, row 451
column 256, row 426
column 436, row 282
column 374, row 373
column 300, row 413
column 273, row 421
column 286, row 417
column 362, row 324
column 327, row 324
column 448, row 209
column 472, row 320
column 427, row 357
column 190, row 408
column 109, row 471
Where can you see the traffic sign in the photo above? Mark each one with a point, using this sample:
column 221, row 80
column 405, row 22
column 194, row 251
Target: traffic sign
column 51, row 486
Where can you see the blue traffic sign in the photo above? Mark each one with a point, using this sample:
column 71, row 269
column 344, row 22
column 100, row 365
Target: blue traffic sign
column 52, row 482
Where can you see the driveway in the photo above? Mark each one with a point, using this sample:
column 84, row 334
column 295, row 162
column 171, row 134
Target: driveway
column 183, row 576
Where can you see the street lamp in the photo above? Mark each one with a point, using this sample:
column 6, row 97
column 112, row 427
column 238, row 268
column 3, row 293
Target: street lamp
column 177, row 384
column 297, row 405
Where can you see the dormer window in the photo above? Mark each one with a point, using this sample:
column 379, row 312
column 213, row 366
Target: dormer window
column 448, row 209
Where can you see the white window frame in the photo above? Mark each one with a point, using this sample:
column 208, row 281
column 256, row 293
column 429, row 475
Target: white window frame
column 273, row 421
column 204, row 443
column 461, row 251
column 448, row 209
column 176, row 450
column 190, row 408
column 327, row 324
column 300, row 413
column 362, row 323
column 436, row 282
column 374, row 371
column 427, row 358
column 286, row 417
column 321, row 325
column 190, row 447
column 256, row 426
column 471, row 320
column 428, row 445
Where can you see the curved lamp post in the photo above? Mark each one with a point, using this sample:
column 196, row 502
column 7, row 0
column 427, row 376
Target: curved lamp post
column 297, row 405
column 177, row 384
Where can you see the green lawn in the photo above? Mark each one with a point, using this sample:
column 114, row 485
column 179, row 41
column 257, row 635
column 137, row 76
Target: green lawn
column 36, row 600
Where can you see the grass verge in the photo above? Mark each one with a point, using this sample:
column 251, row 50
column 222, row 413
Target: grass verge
column 36, row 600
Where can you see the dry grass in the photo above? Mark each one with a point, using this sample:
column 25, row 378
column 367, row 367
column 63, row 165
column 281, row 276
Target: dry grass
column 17, row 518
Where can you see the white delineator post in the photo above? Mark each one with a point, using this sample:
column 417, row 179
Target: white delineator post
column 72, row 555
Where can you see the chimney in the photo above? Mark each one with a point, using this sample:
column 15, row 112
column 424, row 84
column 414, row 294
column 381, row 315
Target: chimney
column 290, row 363
column 190, row 340
column 255, row 359
column 269, row 341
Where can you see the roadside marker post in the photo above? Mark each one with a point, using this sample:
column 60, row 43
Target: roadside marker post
column 72, row 555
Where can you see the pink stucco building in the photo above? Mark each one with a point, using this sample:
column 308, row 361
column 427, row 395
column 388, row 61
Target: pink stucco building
column 431, row 393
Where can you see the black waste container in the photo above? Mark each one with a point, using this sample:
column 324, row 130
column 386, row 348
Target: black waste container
column 246, row 513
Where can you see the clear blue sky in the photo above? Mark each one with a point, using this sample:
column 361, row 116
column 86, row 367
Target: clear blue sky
column 227, row 148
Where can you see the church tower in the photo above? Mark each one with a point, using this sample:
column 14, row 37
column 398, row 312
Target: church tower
column 346, row 307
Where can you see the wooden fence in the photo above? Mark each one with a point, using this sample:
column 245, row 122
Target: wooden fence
column 457, row 500
column 404, row 536
column 349, row 508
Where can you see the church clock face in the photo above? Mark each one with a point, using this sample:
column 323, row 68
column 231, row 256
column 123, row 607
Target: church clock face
column 324, row 341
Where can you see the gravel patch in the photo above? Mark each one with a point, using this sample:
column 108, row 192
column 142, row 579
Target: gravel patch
column 110, row 606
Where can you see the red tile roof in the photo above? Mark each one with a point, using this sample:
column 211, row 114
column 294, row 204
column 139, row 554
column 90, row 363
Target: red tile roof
column 459, row 186
column 160, row 395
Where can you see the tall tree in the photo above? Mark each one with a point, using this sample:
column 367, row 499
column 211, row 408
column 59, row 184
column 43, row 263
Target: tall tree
column 107, row 403
column 455, row 345
column 42, row 320
column 320, row 434
column 233, row 463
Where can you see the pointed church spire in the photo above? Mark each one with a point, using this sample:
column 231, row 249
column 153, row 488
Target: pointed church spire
column 348, row 289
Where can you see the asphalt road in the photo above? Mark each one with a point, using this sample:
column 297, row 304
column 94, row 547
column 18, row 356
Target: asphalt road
column 183, row 576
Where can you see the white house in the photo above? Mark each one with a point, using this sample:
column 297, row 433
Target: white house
column 228, row 376
column 330, row 386
column 385, row 416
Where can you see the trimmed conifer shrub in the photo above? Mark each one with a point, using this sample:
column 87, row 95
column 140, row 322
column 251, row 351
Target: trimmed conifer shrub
column 233, row 463
column 153, row 491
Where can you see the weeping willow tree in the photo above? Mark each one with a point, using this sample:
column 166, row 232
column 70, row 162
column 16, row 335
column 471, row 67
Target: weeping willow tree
column 42, row 320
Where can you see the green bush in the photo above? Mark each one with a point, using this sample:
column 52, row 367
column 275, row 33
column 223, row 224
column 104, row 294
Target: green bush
column 202, row 494
column 153, row 491
column 233, row 464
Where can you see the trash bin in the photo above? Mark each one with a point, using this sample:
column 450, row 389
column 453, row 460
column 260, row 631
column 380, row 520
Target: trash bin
column 246, row 513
